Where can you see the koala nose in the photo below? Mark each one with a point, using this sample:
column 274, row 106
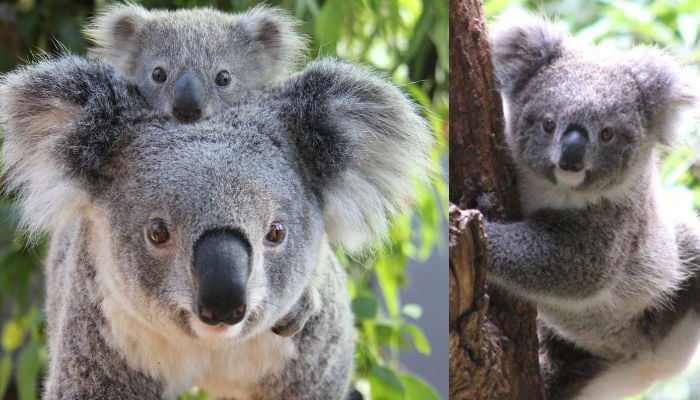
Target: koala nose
column 573, row 150
column 221, row 270
column 188, row 93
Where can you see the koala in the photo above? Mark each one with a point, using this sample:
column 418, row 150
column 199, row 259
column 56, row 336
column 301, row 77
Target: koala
column 196, row 63
column 611, row 267
column 176, row 247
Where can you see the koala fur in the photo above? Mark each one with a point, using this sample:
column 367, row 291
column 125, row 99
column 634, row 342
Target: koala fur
column 328, row 154
column 610, row 266
column 191, row 48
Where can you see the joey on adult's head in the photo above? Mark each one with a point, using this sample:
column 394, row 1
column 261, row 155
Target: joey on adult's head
column 218, row 229
column 195, row 63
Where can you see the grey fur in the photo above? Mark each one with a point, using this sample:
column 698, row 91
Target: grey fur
column 257, row 47
column 609, row 265
column 330, row 152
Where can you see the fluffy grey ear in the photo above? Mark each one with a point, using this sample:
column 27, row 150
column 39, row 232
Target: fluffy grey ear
column 669, row 91
column 277, row 33
column 521, row 44
column 362, row 143
column 115, row 31
column 59, row 119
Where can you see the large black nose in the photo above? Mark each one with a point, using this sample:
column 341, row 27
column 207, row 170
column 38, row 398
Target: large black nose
column 221, row 269
column 573, row 150
column 187, row 97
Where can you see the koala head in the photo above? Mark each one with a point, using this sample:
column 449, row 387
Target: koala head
column 193, row 63
column 585, row 119
column 216, row 227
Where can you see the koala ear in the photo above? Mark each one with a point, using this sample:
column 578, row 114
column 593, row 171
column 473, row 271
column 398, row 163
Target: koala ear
column 58, row 120
column 362, row 143
column 521, row 44
column 277, row 32
column 669, row 91
column 115, row 31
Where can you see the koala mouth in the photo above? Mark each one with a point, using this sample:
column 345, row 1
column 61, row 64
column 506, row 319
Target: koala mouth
column 572, row 179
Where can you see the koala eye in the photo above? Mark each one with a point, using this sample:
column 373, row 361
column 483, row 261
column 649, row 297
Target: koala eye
column 606, row 134
column 158, row 232
column 223, row 78
column 276, row 233
column 159, row 75
column 548, row 125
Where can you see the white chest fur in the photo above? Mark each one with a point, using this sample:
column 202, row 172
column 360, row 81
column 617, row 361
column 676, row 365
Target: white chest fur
column 226, row 368
column 630, row 378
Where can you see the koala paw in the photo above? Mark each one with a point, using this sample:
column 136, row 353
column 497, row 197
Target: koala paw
column 295, row 319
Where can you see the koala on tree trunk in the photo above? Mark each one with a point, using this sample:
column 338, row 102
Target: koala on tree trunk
column 177, row 247
column 612, row 268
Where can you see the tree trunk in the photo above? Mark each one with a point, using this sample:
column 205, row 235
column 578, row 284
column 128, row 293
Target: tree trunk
column 492, row 340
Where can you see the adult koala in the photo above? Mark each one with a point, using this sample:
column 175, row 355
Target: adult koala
column 185, row 243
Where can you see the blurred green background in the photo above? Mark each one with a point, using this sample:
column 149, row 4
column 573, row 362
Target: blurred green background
column 673, row 25
column 407, row 39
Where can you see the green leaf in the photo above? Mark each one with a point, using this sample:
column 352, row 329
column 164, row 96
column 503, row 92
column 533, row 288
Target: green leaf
column 385, row 384
column 28, row 365
column 365, row 307
column 5, row 373
column 328, row 25
column 418, row 389
column 419, row 339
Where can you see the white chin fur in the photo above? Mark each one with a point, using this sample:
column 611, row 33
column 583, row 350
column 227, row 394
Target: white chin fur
column 568, row 178
column 214, row 332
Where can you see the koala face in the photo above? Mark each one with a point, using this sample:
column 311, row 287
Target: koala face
column 219, row 235
column 196, row 63
column 582, row 119
column 214, row 229
column 579, row 124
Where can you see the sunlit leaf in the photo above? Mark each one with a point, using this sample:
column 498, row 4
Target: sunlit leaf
column 386, row 385
column 418, row 389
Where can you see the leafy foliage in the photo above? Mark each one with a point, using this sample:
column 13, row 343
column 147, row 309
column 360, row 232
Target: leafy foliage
column 675, row 26
column 405, row 38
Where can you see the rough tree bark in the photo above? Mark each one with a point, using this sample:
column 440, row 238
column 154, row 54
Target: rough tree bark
column 493, row 340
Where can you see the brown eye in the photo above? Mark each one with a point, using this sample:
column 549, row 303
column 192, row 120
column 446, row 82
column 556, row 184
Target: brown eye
column 276, row 233
column 606, row 134
column 548, row 125
column 223, row 78
column 158, row 232
column 159, row 75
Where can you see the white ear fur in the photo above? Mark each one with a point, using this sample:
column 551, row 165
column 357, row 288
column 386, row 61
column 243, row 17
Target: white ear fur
column 32, row 128
column 114, row 31
column 670, row 91
column 278, row 32
column 521, row 44
column 384, row 145
column 56, row 118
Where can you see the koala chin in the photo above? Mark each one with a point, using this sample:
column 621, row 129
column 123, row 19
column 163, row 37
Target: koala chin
column 187, row 254
column 612, row 268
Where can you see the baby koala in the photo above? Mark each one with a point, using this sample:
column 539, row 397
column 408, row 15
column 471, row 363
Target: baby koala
column 611, row 266
column 195, row 63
